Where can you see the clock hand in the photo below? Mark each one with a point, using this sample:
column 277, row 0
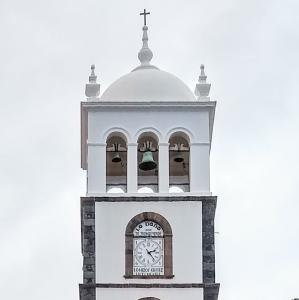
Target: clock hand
column 154, row 250
column 149, row 253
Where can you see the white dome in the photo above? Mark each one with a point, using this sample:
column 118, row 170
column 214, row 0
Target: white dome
column 148, row 84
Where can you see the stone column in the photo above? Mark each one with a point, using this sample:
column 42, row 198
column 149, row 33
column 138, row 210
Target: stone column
column 132, row 168
column 163, row 167
column 96, row 168
column 200, row 167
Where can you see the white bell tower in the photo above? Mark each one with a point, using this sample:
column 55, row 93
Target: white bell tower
column 148, row 214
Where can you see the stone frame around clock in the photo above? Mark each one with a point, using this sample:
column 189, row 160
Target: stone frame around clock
column 148, row 216
column 149, row 298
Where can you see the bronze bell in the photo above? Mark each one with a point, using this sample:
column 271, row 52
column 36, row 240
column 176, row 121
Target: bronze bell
column 147, row 163
column 116, row 158
column 178, row 158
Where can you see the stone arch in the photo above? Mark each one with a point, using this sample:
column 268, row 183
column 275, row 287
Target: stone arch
column 179, row 160
column 117, row 131
column 148, row 216
column 148, row 141
column 186, row 132
column 116, row 161
column 150, row 130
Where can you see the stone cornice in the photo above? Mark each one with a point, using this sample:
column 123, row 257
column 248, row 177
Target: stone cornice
column 169, row 198
column 151, row 285
column 138, row 105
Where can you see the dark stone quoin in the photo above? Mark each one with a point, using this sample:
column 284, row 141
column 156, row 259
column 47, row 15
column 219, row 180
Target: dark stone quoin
column 87, row 289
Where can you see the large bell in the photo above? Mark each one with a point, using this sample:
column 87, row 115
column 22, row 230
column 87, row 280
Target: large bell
column 116, row 158
column 147, row 162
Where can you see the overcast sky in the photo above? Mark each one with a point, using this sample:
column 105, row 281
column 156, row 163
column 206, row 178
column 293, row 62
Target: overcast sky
column 250, row 50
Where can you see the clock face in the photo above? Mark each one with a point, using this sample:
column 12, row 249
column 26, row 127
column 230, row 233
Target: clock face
column 148, row 249
column 148, row 252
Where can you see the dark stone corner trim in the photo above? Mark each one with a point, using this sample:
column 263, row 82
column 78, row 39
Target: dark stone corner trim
column 211, row 291
column 208, row 241
column 88, row 241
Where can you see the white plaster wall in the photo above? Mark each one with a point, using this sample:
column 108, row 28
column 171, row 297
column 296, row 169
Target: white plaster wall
column 185, row 218
column 158, row 120
column 161, row 293
column 196, row 121
column 96, row 171
column 199, row 168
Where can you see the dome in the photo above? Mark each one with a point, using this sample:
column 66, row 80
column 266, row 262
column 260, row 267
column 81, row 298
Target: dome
column 148, row 84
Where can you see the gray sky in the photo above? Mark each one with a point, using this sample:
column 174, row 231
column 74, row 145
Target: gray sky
column 250, row 50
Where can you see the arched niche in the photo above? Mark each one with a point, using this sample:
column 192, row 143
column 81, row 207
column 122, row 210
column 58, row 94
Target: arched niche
column 116, row 163
column 179, row 163
column 148, row 151
column 144, row 233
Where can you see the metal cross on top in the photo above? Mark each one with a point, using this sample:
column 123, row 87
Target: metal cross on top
column 144, row 15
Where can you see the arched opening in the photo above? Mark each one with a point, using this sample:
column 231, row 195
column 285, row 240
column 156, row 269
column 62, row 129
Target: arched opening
column 148, row 247
column 179, row 158
column 116, row 163
column 147, row 163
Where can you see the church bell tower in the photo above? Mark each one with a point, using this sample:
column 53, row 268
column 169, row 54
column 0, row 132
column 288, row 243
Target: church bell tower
column 147, row 220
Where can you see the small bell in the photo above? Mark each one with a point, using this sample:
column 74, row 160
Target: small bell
column 116, row 158
column 147, row 163
column 179, row 157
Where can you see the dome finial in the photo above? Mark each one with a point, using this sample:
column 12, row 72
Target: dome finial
column 92, row 88
column 202, row 88
column 145, row 54
column 203, row 77
column 92, row 77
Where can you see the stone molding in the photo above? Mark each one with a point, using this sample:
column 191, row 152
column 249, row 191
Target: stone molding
column 96, row 143
column 151, row 198
column 167, row 235
column 119, row 105
column 211, row 288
